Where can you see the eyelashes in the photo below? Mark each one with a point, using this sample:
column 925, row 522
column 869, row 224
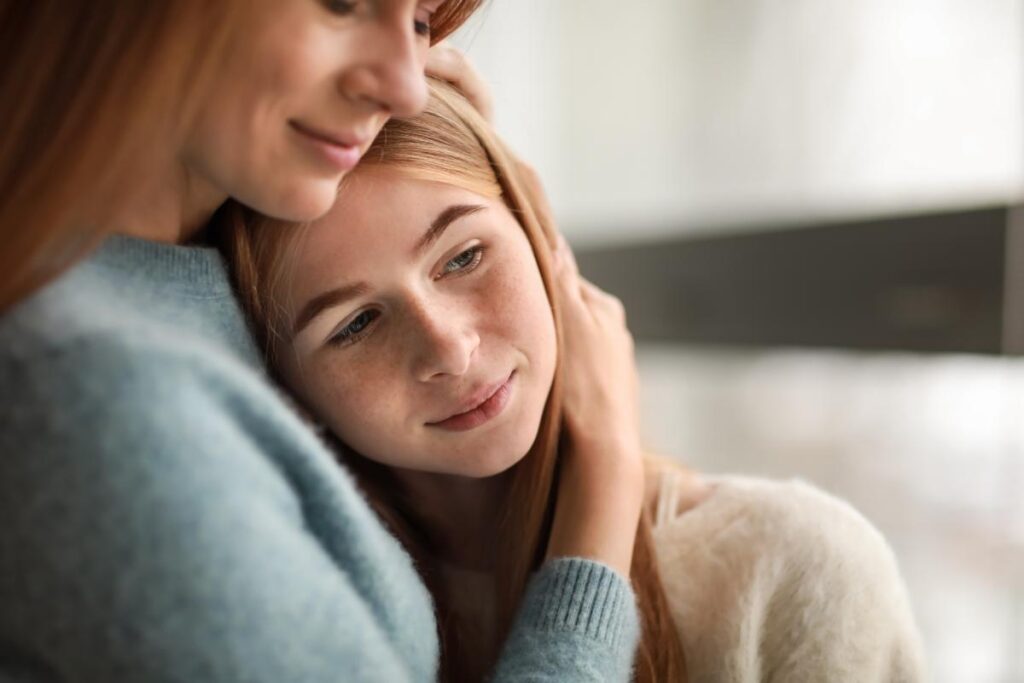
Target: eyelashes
column 464, row 262
column 362, row 323
column 355, row 329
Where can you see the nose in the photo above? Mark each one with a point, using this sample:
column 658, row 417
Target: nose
column 443, row 343
column 389, row 71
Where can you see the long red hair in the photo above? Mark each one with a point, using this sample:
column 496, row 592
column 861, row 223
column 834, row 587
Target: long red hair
column 449, row 142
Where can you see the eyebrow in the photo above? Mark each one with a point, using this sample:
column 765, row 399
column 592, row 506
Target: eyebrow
column 329, row 299
column 443, row 220
column 339, row 295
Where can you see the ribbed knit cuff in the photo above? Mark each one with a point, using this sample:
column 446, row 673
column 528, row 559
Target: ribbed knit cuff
column 583, row 596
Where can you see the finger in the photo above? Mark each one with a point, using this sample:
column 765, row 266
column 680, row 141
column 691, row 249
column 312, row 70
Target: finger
column 571, row 270
column 566, row 271
column 568, row 291
column 558, row 251
column 567, row 257
column 556, row 258
column 534, row 189
column 597, row 297
column 450, row 64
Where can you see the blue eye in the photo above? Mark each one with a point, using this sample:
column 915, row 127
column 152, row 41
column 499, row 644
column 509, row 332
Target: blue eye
column 355, row 330
column 465, row 261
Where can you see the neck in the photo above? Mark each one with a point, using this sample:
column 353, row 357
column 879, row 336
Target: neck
column 174, row 208
column 458, row 514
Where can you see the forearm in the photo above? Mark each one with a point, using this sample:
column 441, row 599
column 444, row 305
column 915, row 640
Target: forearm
column 598, row 510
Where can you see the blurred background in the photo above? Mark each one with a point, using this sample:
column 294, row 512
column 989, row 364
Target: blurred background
column 814, row 212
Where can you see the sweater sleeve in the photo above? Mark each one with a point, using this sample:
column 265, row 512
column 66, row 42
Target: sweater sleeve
column 578, row 623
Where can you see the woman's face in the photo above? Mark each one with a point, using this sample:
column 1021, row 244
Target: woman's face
column 298, row 100
column 423, row 336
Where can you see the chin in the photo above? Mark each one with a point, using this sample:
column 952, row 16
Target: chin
column 490, row 464
column 299, row 202
column 491, row 468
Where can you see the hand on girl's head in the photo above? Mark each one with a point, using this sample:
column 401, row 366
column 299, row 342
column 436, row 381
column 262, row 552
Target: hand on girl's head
column 448, row 63
column 601, row 396
column 565, row 260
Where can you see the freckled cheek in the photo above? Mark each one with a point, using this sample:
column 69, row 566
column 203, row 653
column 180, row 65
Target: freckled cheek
column 517, row 302
column 363, row 397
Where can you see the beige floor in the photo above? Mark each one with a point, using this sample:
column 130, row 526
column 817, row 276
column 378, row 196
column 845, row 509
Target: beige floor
column 929, row 448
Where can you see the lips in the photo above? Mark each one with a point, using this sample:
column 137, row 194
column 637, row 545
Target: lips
column 340, row 150
column 352, row 139
column 479, row 407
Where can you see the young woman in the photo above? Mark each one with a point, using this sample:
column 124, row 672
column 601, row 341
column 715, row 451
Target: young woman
column 167, row 516
column 421, row 322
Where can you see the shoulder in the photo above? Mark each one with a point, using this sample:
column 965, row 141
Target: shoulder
column 83, row 349
column 81, row 302
column 788, row 517
column 671, row 489
column 122, row 423
column 150, row 520
column 164, row 510
column 97, row 387
column 104, row 407
column 782, row 574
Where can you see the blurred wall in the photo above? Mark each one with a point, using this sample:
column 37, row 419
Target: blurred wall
column 681, row 116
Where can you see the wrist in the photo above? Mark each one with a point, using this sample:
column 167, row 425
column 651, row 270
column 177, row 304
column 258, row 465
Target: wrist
column 598, row 508
column 598, row 458
column 595, row 526
column 614, row 490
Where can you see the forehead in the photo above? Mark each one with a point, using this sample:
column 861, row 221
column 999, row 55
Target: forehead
column 377, row 221
column 385, row 208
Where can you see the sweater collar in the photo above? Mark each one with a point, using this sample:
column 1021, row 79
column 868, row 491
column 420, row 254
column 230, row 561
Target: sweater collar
column 195, row 269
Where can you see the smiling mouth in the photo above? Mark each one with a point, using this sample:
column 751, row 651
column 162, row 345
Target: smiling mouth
column 489, row 408
column 341, row 153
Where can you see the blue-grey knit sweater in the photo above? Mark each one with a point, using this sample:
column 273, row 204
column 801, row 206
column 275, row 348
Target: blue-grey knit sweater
column 164, row 516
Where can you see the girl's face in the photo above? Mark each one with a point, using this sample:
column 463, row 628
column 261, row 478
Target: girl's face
column 298, row 100
column 423, row 336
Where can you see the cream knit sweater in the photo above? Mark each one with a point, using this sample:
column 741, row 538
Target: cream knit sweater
column 777, row 581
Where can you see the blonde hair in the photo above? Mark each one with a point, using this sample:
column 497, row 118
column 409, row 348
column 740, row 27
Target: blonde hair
column 450, row 143
column 86, row 86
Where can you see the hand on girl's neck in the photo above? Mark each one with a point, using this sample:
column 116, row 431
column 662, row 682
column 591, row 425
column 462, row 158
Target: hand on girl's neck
column 459, row 514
